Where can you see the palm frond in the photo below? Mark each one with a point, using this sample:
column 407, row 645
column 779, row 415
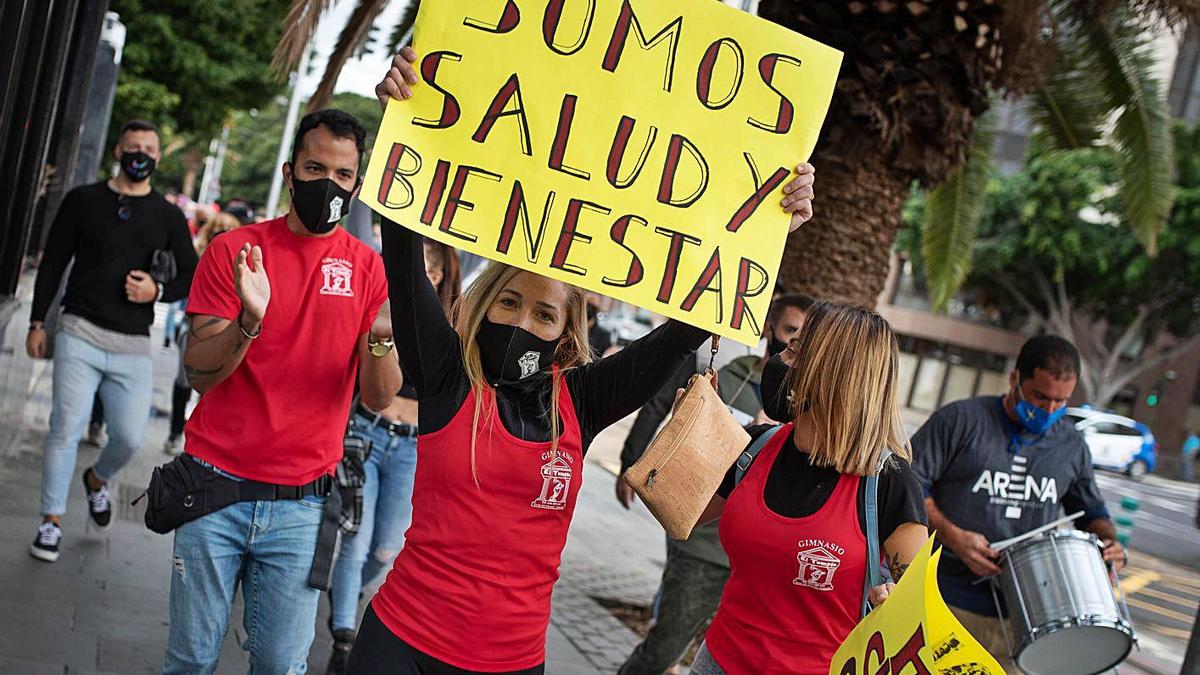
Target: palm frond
column 952, row 211
column 1068, row 111
column 1141, row 134
column 352, row 37
column 402, row 31
column 298, row 28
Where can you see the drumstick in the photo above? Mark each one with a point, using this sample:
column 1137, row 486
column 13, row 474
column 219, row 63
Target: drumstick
column 1001, row 545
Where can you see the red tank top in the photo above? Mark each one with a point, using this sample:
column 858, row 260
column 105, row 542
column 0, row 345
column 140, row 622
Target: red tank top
column 795, row 587
column 471, row 587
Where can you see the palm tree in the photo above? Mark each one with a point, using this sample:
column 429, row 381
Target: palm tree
column 301, row 24
column 1100, row 91
column 916, row 76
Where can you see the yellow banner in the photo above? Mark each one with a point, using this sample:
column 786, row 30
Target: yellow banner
column 636, row 148
column 913, row 632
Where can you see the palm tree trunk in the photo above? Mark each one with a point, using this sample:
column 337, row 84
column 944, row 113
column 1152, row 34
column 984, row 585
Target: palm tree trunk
column 842, row 254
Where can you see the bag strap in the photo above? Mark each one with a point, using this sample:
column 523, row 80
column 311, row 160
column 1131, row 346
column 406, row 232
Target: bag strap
column 874, row 576
column 747, row 457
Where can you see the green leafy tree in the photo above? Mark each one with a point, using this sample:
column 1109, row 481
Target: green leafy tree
column 187, row 65
column 1053, row 253
column 1099, row 92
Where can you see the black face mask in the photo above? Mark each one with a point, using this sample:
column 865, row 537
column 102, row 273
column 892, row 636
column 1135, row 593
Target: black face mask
column 319, row 204
column 137, row 165
column 776, row 399
column 775, row 345
column 512, row 353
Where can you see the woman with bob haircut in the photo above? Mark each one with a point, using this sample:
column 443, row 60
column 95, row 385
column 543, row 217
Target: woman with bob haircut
column 794, row 526
column 509, row 401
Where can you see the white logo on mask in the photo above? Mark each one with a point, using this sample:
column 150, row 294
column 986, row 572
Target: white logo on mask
column 335, row 210
column 529, row 363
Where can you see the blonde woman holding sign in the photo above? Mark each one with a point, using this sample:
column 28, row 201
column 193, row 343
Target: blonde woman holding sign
column 796, row 526
column 509, row 402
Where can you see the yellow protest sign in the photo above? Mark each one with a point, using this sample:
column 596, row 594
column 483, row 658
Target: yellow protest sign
column 913, row 632
column 636, row 148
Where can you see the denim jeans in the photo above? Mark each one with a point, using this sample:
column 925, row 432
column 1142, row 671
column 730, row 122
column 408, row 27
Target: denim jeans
column 688, row 597
column 267, row 548
column 125, row 385
column 387, row 512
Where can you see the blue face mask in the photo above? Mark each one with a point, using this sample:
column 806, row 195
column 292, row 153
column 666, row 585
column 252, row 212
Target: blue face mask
column 1034, row 419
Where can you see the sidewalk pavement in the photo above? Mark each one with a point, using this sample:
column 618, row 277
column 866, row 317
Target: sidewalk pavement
column 102, row 608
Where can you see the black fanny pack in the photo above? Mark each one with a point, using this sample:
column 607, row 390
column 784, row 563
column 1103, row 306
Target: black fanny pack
column 183, row 490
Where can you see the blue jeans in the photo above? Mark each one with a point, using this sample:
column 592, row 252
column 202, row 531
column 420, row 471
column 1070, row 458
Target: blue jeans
column 267, row 548
column 387, row 512
column 126, row 386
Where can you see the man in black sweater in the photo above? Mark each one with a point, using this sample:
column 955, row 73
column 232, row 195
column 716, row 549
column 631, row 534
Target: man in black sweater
column 120, row 233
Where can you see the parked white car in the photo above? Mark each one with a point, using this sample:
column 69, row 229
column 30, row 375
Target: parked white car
column 1116, row 442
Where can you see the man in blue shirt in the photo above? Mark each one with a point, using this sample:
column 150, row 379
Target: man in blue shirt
column 998, row 467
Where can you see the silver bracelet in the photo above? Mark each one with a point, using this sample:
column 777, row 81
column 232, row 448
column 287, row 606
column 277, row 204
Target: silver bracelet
column 245, row 332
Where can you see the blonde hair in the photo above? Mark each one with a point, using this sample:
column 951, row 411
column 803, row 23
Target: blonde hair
column 214, row 224
column 472, row 306
column 846, row 378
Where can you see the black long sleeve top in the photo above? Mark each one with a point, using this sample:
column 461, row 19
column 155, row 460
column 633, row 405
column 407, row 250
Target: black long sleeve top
column 106, row 248
column 430, row 353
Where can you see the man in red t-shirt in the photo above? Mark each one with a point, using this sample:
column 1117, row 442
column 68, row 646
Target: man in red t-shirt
column 284, row 317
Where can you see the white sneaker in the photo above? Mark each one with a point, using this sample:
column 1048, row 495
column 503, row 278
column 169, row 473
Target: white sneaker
column 173, row 445
column 45, row 544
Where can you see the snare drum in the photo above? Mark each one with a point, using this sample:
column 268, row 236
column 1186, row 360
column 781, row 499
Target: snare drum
column 1063, row 611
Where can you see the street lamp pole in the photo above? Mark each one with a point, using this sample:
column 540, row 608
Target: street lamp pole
column 285, row 141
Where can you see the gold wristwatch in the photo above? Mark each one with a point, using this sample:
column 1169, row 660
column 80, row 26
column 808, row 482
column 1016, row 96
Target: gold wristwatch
column 380, row 348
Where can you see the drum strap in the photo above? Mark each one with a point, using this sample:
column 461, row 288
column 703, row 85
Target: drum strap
column 871, row 506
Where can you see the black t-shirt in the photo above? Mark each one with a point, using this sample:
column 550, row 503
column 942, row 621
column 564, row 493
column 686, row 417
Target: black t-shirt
column 603, row 391
column 795, row 488
column 106, row 248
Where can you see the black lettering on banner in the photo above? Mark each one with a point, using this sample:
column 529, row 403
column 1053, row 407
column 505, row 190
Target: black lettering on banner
column 570, row 232
column 709, row 281
column 741, row 310
column 666, row 186
column 454, row 200
column 437, row 188
column 566, row 115
column 616, row 45
column 708, row 64
column 783, row 118
column 517, row 210
column 620, row 228
column 393, row 173
column 551, row 20
column 671, row 264
column 616, row 153
column 507, row 21
column 509, row 91
column 451, row 111
column 875, row 647
column 762, row 190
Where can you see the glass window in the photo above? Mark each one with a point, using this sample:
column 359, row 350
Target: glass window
column 907, row 366
column 928, row 384
column 960, row 384
column 992, row 383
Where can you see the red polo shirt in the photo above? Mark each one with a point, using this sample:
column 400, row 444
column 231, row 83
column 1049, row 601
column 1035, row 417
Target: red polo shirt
column 280, row 416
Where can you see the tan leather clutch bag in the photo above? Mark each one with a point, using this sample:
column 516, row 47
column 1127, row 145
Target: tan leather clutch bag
column 681, row 470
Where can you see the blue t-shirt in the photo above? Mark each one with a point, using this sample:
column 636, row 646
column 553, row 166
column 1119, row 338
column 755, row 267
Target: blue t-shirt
column 987, row 476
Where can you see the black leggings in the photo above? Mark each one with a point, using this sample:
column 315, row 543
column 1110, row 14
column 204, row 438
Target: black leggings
column 377, row 651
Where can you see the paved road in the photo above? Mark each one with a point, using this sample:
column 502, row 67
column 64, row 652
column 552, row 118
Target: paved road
column 1164, row 524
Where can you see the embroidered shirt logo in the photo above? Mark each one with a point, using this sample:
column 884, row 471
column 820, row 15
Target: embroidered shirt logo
column 529, row 363
column 335, row 209
column 818, row 563
column 337, row 273
column 556, row 482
